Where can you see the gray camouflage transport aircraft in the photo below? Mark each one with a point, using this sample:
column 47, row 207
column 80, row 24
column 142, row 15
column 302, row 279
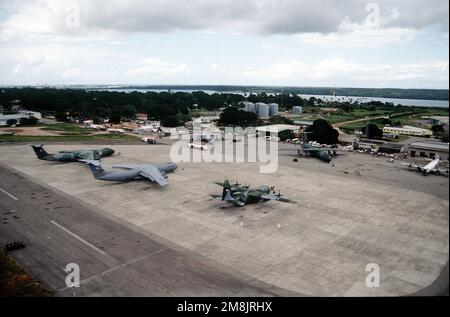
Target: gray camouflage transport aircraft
column 154, row 173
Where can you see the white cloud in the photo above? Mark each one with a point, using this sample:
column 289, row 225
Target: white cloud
column 358, row 36
column 158, row 68
column 30, row 64
column 110, row 44
column 255, row 16
column 341, row 72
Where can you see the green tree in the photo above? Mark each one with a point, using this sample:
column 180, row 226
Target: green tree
column 115, row 119
column 322, row 132
column 170, row 122
column 24, row 121
column 33, row 121
column 61, row 116
column 129, row 111
column 97, row 120
column 437, row 128
column 286, row 135
column 372, row 131
column 11, row 122
column 280, row 120
column 231, row 116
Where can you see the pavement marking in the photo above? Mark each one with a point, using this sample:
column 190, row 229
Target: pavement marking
column 81, row 239
column 120, row 266
column 8, row 194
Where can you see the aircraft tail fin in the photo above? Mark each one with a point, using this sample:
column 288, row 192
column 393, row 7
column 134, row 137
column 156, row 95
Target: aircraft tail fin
column 39, row 150
column 96, row 168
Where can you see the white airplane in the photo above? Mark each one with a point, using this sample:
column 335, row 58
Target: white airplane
column 431, row 167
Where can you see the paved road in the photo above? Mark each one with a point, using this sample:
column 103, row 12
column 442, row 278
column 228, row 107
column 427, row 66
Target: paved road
column 115, row 259
column 339, row 124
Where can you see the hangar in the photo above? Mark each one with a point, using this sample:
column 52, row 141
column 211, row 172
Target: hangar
column 391, row 148
column 429, row 149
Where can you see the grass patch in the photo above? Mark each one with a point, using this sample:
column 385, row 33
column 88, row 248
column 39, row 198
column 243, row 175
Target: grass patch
column 69, row 138
column 68, row 129
column 15, row 282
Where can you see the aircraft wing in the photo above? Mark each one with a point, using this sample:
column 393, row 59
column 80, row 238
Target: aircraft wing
column 277, row 198
column 313, row 150
column 127, row 166
column 441, row 171
column 153, row 174
column 238, row 203
column 323, row 149
column 412, row 165
column 89, row 155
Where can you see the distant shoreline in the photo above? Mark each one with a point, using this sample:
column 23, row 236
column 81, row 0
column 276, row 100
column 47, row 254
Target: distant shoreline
column 388, row 93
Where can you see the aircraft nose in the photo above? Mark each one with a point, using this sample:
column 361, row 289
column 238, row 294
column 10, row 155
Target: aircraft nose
column 108, row 151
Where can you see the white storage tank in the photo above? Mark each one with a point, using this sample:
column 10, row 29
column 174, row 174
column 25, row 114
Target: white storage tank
column 249, row 106
column 273, row 109
column 297, row 110
column 263, row 110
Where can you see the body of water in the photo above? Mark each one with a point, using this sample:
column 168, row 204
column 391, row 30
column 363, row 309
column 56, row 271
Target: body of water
column 395, row 101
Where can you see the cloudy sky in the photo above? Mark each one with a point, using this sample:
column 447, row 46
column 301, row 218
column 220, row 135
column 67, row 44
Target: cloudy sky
column 347, row 43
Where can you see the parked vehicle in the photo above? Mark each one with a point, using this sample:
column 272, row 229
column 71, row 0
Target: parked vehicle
column 16, row 245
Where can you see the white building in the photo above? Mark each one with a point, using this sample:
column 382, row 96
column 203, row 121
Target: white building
column 19, row 115
column 439, row 120
column 277, row 128
column 429, row 149
column 30, row 114
column 116, row 131
column 407, row 130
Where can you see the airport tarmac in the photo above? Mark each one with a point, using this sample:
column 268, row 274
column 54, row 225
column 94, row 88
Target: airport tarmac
column 361, row 210
column 115, row 258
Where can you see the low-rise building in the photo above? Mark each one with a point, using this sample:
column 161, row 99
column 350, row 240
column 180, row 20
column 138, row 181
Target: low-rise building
column 4, row 118
column 391, row 148
column 329, row 110
column 303, row 123
column 407, row 130
column 141, row 116
column 429, row 149
column 30, row 114
column 368, row 144
column 277, row 128
column 116, row 131
column 438, row 120
column 347, row 139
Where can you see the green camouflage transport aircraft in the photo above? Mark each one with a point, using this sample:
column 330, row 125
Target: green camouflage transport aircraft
column 71, row 156
column 244, row 195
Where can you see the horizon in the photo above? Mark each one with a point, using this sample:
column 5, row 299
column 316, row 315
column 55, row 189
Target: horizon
column 214, row 85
